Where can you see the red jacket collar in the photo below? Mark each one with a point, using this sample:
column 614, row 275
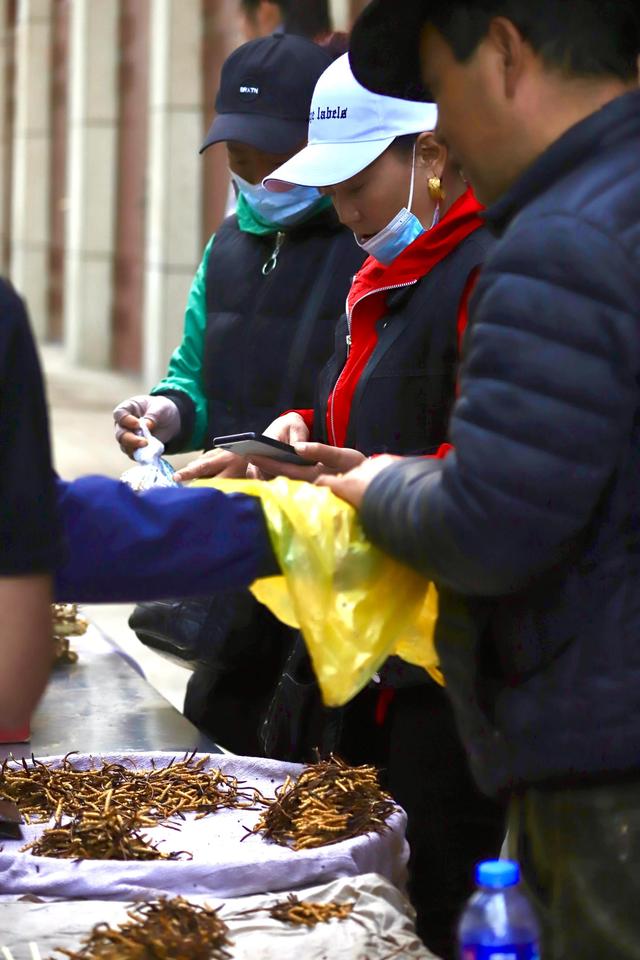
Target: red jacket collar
column 423, row 254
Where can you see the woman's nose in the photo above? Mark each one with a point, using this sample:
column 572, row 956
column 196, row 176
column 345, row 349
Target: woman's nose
column 348, row 214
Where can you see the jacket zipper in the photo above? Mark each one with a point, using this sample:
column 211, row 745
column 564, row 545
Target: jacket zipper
column 270, row 264
column 395, row 286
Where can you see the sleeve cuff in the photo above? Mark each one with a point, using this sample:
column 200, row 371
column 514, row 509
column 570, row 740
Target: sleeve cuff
column 307, row 416
column 388, row 511
column 187, row 410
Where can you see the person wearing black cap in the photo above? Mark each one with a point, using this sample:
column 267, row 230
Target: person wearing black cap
column 260, row 317
column 531, row 527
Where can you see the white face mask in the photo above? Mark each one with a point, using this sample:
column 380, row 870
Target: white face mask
column 400, row 232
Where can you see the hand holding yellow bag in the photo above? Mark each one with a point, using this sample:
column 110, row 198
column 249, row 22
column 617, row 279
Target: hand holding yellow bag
column 355, row 605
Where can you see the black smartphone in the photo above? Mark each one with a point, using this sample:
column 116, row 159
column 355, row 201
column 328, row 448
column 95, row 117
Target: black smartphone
column 257, row 445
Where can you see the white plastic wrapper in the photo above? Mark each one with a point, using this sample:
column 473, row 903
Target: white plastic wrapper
column 152, row 471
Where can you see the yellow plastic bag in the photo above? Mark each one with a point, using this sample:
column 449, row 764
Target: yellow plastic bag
column 354, row 604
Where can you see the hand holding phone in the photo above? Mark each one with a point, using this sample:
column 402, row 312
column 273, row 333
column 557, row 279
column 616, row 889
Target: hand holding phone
column 250, row 445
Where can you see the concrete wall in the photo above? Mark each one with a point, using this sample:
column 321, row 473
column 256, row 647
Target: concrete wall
column 31, row 157
column 174, row 172
column 108, row 280
column 93, row 128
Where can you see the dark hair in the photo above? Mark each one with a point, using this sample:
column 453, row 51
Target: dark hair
column 305, row 18
column 586, row 38
column 336, row 44
column 405, row 143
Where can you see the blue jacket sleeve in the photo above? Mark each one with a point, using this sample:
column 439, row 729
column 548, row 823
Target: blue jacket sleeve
column 174, row 542
column 548, row 397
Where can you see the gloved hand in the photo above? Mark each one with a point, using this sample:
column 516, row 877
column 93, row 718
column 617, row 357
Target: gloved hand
column 162, row 416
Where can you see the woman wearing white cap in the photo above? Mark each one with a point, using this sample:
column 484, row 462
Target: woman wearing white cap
column 391, row 382
column 389, row 388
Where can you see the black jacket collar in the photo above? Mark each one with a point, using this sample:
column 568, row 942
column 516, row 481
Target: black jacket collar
column 615, row 122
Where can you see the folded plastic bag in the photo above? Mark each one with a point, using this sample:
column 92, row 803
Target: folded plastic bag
column 151, row 471
column 354, row 604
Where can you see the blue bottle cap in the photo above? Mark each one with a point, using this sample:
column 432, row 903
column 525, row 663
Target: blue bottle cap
column 497, row 874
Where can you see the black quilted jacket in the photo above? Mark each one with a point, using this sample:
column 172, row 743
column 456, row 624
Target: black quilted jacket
column 532, row 527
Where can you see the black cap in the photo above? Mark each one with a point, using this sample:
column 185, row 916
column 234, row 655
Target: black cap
column 265, row 93
column 384, row 51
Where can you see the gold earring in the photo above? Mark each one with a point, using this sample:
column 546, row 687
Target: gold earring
column 436, row 190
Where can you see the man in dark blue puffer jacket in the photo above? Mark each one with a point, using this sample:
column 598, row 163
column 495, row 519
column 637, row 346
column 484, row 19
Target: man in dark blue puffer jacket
column 531, row 528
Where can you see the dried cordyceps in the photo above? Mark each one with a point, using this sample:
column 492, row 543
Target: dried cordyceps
column 95, row 836
column 304, row 913
column 66, row 623
column 159, row 930
column 42, row 790
column 66, row 620
column 329, row 802
column 62, row 652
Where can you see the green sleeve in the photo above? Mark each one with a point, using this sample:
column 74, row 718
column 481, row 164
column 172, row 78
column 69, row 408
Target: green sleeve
column 185, row 366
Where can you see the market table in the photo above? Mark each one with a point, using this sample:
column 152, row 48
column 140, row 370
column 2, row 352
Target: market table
column 101, row 704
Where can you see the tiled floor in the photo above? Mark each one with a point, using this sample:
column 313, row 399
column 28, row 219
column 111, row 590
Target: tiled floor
column 80, row 404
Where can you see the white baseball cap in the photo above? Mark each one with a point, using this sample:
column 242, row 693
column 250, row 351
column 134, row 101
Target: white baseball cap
column 349, row 128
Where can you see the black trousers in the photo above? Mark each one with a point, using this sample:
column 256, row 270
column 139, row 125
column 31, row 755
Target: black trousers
column 451, row 825
column 579, row 850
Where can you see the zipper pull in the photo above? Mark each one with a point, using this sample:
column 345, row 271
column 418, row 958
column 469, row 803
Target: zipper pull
column 348, row 339
column 270, row 265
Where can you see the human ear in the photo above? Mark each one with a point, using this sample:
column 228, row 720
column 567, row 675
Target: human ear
column 507, row 46
column 431, row 155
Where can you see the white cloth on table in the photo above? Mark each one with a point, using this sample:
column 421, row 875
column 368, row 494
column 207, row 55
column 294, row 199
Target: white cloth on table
column 222, row 866
column 381, row 925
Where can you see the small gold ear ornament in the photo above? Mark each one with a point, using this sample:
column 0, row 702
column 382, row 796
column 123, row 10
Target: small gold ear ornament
column 436, row 191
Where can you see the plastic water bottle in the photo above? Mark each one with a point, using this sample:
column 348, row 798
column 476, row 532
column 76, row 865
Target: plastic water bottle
column 498, row 922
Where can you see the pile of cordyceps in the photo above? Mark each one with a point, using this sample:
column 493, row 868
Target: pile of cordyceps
column 159, row 930
column 43, row 790
column 66, row 623
column 95, row 836
column 305, row 913
column 108, row 805
column 175, row 929
column 329, row 802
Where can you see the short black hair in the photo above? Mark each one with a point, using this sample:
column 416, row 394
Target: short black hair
column 586, row 38
column 304, row 18
column 581, row 38
column 405, row 142
column 251, row 5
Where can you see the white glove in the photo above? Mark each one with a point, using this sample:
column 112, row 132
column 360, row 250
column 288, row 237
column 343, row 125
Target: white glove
column 161, row 413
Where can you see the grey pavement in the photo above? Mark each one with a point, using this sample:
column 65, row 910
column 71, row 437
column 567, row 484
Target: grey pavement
column 80, row 405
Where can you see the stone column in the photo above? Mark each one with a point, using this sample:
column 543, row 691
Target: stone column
column 340, row 14
column 91, row 178
column 173, row 248
column 31, row 155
